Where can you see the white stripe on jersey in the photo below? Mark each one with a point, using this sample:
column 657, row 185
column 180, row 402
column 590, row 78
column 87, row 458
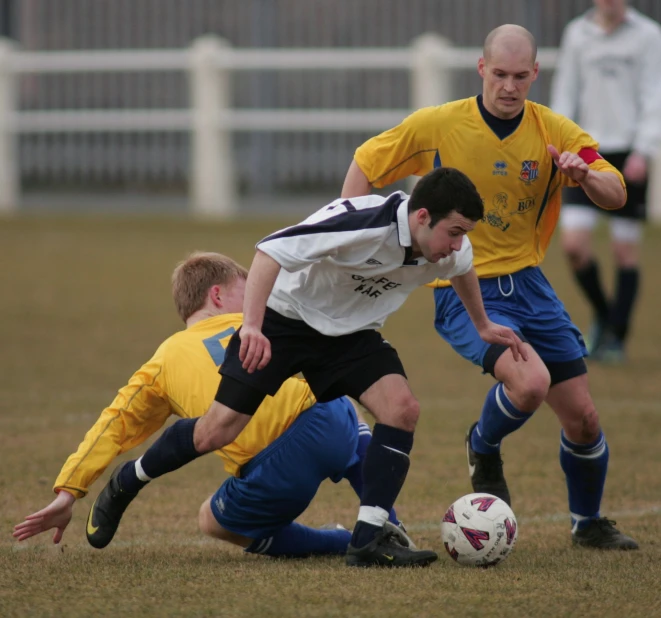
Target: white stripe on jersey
column 347, row 267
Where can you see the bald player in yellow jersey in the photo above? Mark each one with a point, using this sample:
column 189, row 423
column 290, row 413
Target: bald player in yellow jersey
column 519, row 154
column 276, row 463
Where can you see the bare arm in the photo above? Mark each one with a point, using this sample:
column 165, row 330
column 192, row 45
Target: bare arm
column 603, row 188
column 355, row 182
column 467, row 288
column 255, row 351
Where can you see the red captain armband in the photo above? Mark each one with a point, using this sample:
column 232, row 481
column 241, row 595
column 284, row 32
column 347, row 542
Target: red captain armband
column 589, row 155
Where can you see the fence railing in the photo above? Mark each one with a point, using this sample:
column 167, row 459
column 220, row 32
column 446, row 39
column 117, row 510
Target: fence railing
column 211, row 119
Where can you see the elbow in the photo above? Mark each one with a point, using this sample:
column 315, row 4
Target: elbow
column 622, row 199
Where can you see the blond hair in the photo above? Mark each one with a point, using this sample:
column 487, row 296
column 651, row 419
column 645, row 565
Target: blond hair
column 193, row 277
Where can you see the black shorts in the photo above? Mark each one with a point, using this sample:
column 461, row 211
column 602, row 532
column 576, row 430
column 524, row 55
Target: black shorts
column 635, row 208
column 333, row 366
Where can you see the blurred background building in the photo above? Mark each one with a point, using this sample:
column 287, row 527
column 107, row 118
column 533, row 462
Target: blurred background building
column 151, row 169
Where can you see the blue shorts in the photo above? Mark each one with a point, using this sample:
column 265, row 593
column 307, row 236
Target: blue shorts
column 524, row 301
column 278, row 484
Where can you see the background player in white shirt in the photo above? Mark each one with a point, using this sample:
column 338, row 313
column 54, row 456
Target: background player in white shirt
column 607, row 80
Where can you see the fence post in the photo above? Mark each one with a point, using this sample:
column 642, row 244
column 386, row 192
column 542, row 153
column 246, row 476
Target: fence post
column 431, row 73
column 430, row 76
column 9, row 174
column 212, row 182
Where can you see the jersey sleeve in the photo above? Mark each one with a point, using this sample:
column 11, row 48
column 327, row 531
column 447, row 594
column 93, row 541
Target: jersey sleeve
column 139, row 410
column 337, row 231
column 568, row 136
column 404, row 150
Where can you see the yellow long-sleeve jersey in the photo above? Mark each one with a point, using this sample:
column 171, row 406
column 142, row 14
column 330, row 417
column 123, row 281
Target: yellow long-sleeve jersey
column 182, row 379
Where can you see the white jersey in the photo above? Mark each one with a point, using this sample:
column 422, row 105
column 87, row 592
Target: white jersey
column 348, row 266
column 609, row 83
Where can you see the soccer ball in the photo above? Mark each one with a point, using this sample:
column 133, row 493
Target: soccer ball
column 479, row 530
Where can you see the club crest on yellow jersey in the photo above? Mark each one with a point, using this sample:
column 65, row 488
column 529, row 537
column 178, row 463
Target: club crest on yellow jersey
column 529, row 171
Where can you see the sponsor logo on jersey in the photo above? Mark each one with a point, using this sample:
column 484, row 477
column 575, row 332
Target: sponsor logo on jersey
column 529, row 171
column 525, row 204
column 499, row 168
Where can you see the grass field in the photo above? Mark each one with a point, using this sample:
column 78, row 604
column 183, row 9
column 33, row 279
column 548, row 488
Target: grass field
column 84, row 301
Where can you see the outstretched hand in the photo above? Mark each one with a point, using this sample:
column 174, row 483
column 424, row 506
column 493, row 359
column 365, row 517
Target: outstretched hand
column 56, row 515
column 570, row 164
column 503, row 335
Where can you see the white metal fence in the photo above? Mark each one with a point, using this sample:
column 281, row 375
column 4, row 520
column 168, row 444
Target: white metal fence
column 211, row 119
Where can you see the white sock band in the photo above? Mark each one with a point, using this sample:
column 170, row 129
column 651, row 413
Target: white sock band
column 374, row 515
column 140, row 473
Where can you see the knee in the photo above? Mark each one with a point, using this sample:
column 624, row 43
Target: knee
column 217, row 428
column 530, row 392
column 584, row 427
column 578, row 252
column 207, row 441
column 206, row 521
column 407, row 412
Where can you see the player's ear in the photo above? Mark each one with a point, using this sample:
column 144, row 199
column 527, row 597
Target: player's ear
column 216, row 295
column 535, row 71
column 423, row 217
column 480, row 66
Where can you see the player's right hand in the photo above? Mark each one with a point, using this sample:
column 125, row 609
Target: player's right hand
column 255, row 350
column 56, row 515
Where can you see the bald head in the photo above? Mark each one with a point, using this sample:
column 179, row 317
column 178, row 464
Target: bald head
column 510, row 38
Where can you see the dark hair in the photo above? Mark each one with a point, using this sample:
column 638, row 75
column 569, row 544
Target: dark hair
column 445, row 190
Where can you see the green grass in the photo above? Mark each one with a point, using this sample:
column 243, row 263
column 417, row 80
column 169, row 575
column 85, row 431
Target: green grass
column 84, row 301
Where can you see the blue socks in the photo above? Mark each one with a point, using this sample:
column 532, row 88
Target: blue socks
column 297, row 541
column 499, row 418
column 355, row 474
column 585, row 467
column 173, row 449
column 384, row 472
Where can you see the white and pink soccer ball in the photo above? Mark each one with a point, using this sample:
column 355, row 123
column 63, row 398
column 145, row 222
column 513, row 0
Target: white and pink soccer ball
column 479, row 530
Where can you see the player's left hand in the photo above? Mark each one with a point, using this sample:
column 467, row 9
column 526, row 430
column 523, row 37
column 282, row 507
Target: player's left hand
column 503, row 335
column 570, row 164
column 56, row 515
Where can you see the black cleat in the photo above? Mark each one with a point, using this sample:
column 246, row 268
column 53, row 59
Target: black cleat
column 486, row 471
column 386, row 551
column 602, row 534
column 107, row 511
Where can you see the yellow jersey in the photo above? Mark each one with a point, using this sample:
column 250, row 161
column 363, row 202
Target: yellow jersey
column 516, row 176
column 182, row 379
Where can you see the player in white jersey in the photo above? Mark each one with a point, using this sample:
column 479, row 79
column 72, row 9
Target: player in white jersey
column 315, row 294
column 606, row 80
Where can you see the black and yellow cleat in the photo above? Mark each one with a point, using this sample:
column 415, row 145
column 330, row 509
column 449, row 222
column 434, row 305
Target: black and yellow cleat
column 486, row 471
column 386, row 550
column 601, row 533
column 107, row 510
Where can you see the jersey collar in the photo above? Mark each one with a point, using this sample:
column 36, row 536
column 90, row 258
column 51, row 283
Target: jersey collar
column 404, row 233
column 403, row 228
